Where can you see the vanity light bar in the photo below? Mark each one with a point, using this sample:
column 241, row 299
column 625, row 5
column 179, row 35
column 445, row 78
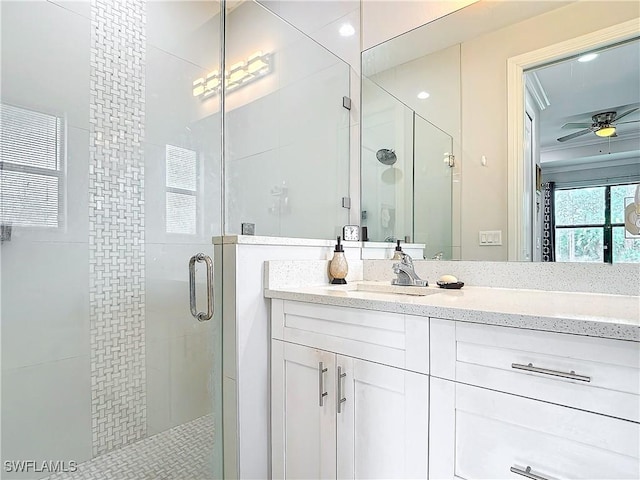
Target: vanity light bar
column 240, row 74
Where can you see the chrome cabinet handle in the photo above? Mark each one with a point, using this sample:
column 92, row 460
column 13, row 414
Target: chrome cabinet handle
column 321, row 371
column 527, row 473
column 201, row 316
column 341, row 399
column 530, row 368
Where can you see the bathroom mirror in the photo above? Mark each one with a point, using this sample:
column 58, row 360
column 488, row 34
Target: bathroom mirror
column 452, row 73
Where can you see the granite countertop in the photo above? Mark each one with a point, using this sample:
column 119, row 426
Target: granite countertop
column 591, row 314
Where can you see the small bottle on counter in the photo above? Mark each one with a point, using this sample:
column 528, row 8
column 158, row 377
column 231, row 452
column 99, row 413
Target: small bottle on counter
column 397, row 255
column 338, row 267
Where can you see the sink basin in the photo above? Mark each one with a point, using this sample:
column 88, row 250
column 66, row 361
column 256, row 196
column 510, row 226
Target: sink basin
column 386, row 287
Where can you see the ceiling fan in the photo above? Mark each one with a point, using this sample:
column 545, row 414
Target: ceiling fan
column 603, row 124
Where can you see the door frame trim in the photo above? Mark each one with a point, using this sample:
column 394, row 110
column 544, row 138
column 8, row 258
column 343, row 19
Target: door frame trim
column 515, row 115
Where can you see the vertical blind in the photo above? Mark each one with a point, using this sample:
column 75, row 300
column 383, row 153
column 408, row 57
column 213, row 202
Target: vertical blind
column 31, row 166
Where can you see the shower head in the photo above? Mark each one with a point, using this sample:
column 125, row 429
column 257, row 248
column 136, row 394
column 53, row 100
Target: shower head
column 386, row 156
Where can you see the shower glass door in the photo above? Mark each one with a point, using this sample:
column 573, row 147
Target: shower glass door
column 110, row 183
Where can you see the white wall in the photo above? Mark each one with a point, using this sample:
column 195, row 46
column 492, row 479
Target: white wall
column 383, row 20
column 484, row 97
column 321, row 20
column 46, row 389
column 288, row 131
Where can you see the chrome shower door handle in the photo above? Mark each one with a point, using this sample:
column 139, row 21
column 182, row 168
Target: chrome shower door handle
column 201, row 316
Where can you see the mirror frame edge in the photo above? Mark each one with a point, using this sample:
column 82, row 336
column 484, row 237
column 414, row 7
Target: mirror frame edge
column 515, row 115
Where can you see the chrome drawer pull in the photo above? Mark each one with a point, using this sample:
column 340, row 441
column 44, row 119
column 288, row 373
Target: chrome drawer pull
column 527, row 473
column 530, row 368
column 341, row 399
column 321, row 371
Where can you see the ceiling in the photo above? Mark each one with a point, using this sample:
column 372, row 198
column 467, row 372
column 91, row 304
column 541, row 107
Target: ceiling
column 576, row 91
column 469, row 22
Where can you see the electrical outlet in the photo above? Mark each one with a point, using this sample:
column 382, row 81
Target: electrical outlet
column 490, row 237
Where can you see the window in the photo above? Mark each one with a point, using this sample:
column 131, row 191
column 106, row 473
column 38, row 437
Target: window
column 590, row 225
column 181, row 190
column 31, row 168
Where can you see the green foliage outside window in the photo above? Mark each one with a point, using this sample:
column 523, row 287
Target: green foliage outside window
column 579, row 207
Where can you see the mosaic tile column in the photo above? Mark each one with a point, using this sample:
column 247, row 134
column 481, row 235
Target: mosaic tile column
column 116, row 223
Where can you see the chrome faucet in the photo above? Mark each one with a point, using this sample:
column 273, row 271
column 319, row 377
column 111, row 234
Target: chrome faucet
column 406, row 274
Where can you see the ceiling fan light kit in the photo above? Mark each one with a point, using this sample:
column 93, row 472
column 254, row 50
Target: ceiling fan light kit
column 606, row 131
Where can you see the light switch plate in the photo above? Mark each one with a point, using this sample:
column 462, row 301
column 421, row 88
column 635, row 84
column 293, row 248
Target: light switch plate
column 490, row 238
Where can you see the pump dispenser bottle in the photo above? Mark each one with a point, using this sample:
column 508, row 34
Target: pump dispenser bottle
column 397, row 255
column 338, row 267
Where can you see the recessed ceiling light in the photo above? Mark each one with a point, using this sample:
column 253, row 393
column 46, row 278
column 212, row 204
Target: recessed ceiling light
column 346, row 30
column 588, row 57
column 422, row 95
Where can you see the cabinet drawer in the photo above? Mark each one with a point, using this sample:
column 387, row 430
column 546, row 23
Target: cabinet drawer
column 496, row 432
column 392, row 339
column 594, row 374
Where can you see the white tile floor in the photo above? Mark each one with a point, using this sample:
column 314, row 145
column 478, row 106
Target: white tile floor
column 184, row 452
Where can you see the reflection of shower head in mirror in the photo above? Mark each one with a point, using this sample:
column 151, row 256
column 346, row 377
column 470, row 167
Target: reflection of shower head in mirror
column 386, row 156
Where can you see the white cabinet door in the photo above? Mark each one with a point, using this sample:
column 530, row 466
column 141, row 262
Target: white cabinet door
column 303, row 430
column 383, row 422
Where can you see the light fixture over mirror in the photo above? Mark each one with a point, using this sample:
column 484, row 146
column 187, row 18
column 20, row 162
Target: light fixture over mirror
column 240, row 74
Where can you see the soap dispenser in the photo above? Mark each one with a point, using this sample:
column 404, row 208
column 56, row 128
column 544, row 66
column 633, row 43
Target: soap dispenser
column 338, row 267
column 397, row 255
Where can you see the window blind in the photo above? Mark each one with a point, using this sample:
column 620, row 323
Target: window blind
column 31, row 158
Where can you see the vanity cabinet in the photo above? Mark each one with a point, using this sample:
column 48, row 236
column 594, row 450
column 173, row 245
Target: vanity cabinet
column 341, row 416
column 417, row 397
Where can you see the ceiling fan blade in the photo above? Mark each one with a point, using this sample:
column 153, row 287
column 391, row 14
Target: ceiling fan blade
column 574, row 135
column 576, row 125
column 625, row 114
column 623, row 123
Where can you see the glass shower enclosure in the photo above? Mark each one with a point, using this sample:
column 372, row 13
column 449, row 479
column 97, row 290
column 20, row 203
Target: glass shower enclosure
column 110, row 183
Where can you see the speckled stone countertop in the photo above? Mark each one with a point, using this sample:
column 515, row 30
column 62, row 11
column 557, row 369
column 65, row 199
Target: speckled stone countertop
column 591, row 314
